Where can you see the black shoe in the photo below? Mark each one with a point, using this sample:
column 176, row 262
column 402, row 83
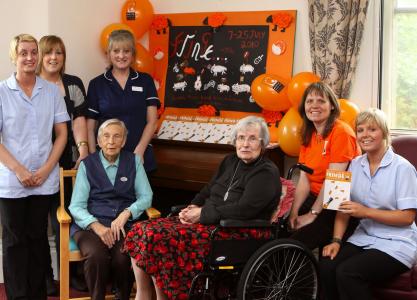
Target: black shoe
column 51, row 288
column 78, row 283
column 115, row 291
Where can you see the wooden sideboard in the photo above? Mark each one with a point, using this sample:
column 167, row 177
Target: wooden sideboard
column 189, row 166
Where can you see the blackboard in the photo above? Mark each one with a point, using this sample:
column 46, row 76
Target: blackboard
column 215, row 66
column 269, row 49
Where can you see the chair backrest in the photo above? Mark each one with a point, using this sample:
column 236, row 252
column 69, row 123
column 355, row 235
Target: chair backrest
column 406, row 146
column 286, row 199
column 63, row 174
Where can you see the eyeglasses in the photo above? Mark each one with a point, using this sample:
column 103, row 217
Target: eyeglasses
column 250, row 139
column 115, row 137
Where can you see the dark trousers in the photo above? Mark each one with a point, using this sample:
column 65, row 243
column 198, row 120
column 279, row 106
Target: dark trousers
column 24, row 222
column 103, row 264
column 320, row 232
column 349, row 274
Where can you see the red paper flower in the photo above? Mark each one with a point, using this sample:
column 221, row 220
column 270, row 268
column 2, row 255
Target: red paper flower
column 207, row 110
column 271, row 116
column 159, row 23
column 216, row 20
column 283, row 20
column 189, row 71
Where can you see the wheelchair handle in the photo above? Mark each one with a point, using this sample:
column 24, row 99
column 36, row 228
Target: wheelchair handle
column 301, row 167
column 305, row 168
column 176, row 209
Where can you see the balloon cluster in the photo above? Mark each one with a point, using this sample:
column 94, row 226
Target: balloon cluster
column 136, row 17
column 273, row 93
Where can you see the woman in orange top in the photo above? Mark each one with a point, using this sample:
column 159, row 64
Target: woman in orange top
column 327, row 143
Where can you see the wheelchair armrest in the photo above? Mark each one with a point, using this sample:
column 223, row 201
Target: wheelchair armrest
column 62, row 216
column 245, row 223
column 176, row 209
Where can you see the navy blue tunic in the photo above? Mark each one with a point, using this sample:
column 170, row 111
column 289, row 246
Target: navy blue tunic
column 107, row 100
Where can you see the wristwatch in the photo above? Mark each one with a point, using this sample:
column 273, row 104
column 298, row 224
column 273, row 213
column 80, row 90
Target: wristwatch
column 336, row 240
column 314, row 212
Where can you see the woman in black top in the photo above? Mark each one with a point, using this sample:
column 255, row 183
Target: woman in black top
column 51, row 68
column 171, row 250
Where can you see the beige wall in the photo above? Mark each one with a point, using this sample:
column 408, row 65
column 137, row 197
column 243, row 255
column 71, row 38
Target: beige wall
column 79, row 23
column 18, row 17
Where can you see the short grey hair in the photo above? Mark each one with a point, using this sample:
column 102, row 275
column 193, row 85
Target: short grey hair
column 112, row 122
column 251, row 121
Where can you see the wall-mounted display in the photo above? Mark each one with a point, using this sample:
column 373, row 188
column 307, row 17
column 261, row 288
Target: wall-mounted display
column 205, row 64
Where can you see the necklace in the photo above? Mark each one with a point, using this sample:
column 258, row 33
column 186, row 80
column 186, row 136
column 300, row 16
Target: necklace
column 231, row 183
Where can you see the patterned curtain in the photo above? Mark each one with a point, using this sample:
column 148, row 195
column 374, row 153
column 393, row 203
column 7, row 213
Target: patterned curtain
column 336, row 30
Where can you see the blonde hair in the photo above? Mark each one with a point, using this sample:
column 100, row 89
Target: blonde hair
column 377, row 117
column 14, row 44
column 122, row 36
column 46, row 44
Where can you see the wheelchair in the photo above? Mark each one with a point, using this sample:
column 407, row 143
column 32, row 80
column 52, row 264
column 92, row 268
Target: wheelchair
column 276, row 268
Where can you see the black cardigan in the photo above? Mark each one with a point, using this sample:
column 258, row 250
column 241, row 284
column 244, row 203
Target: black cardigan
column 253, row 194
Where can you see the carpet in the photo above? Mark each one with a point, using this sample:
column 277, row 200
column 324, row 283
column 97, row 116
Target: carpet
column 73, row 293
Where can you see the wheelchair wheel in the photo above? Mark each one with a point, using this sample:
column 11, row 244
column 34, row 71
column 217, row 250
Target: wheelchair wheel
column 220, row 285
column 281, row 269
column 202, row 287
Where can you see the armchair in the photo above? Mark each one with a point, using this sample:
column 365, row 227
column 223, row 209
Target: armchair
column 404, row 286
column 68, row 248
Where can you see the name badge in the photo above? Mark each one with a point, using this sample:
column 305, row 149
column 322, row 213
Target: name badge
column 137, row 88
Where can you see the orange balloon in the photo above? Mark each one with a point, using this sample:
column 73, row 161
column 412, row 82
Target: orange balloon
column 144, row 60
column 138, row 15
column 298, row 85
column 289, row 132
column 348, row 112
column 105, row 33
column 270, row 92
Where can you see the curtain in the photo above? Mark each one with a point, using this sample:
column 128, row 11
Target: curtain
column 336, row 30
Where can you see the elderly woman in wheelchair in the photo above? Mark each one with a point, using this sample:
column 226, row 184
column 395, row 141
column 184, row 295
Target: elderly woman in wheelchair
column 111, row 191
column 183, row 253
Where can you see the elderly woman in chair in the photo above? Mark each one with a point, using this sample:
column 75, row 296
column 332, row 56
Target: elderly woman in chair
column 111, row 192
column 171, row 250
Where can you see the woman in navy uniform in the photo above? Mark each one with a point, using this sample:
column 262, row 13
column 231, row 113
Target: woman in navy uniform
column 127, row 95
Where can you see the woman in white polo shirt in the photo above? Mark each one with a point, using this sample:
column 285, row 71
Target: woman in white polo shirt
column 30, row 110
column 384, row 198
